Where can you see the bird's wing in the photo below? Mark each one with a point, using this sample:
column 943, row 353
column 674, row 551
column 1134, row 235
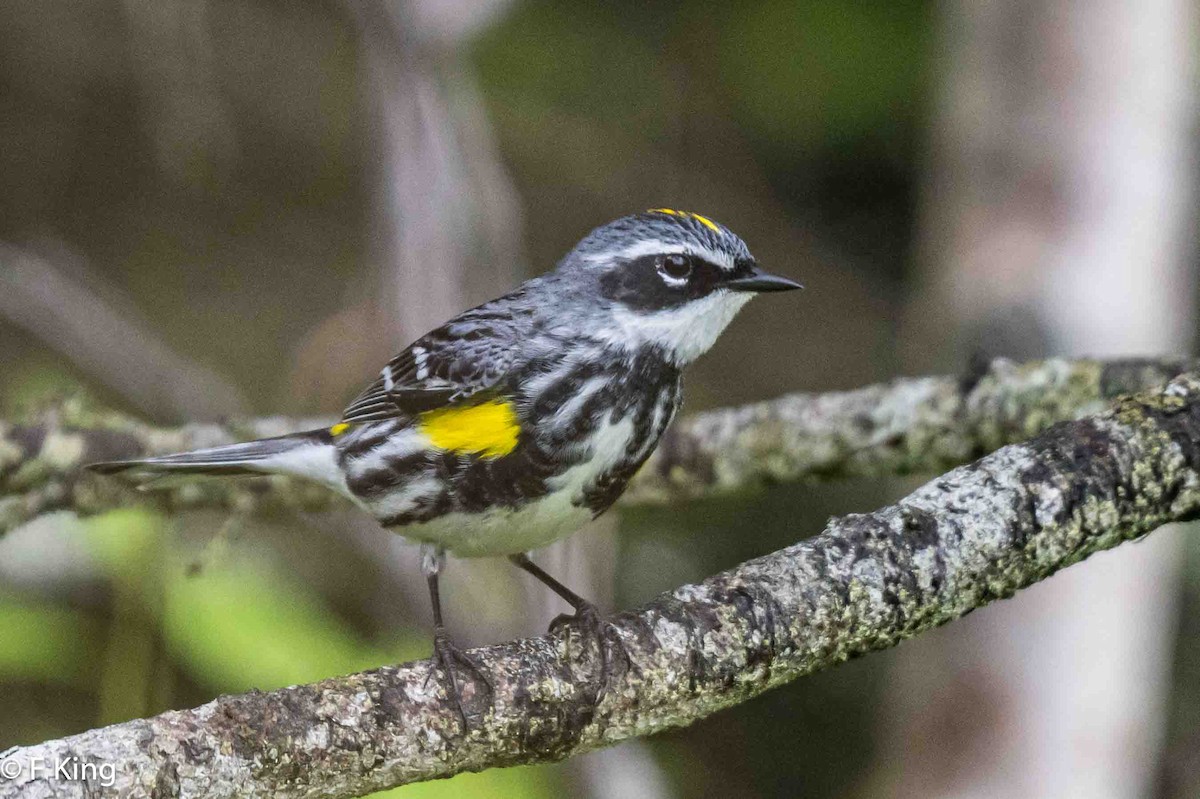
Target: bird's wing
column 469, row 354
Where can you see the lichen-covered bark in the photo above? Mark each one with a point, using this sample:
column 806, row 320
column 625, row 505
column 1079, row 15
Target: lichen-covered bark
column 41, row 465
column 868, row 581
column 911, row 425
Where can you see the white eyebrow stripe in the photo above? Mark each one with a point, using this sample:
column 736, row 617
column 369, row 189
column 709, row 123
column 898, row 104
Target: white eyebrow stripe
column 657, row 247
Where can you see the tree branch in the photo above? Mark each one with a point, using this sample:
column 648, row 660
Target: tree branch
column 914, row 425
column 867, row 582
column 911, row 425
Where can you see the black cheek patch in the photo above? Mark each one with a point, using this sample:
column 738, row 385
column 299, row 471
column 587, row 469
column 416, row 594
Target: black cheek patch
column 639, row 286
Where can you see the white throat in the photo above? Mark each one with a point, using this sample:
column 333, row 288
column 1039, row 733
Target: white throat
column 685, row 333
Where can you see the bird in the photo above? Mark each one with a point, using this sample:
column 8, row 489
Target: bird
column 516, row 422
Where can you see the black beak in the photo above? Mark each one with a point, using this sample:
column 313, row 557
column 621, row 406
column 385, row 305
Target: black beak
column 758, row 280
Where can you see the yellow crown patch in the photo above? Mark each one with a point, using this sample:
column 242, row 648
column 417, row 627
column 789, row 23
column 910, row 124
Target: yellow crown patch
column 704, row 220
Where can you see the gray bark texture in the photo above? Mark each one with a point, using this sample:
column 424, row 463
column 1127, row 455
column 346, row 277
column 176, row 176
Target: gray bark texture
column 868, row 581
column 909, row 426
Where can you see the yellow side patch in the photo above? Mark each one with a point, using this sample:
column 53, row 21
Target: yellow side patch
column 704, row 220
column 339, row 428
column 489, row 429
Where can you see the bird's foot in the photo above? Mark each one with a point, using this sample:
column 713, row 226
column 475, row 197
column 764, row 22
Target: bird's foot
column 451, row 658
column 593, row 625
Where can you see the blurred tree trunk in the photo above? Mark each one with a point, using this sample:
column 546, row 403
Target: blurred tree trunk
column 444, row 227
column 1056, row 219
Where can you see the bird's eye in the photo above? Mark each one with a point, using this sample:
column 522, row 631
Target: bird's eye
column 675, row 266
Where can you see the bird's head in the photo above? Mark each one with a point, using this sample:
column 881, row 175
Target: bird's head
column 666, row 278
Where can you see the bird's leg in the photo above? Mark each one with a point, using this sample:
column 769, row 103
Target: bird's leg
column 586, row 613
column 447, row 654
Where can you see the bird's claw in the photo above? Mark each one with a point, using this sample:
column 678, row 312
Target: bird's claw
column 449, row 658
column 593, row 625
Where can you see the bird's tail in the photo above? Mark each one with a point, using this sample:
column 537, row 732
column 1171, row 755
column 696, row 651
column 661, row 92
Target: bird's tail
column 311, row 455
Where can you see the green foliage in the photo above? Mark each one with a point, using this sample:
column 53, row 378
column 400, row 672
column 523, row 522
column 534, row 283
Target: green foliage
column 825, row 73
column 572, row 58
column 44, row 643
column 523, row 782
column 246, row 624
column 810, row 74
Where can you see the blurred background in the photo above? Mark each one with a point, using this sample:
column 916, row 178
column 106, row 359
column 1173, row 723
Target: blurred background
column 213, row 208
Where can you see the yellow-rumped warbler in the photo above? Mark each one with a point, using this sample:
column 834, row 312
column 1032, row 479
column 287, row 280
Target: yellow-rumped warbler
column 514, row 423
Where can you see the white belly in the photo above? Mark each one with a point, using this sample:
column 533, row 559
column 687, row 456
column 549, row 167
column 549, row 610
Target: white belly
column 502, row 531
